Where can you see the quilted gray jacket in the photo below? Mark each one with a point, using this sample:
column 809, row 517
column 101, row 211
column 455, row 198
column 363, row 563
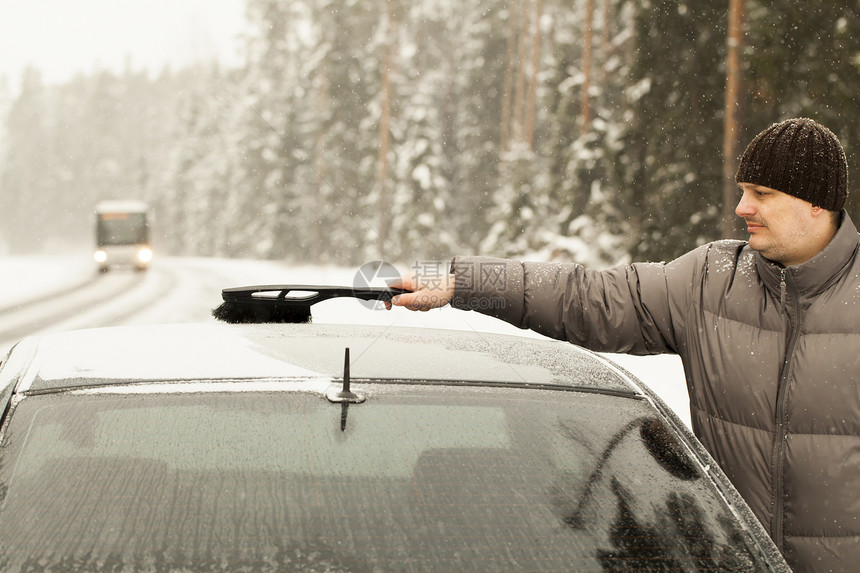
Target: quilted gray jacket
column 771, row 357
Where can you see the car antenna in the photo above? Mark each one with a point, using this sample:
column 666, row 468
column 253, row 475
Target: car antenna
column 345, row 396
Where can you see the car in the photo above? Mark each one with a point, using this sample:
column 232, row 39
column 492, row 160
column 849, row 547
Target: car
column 323, row 447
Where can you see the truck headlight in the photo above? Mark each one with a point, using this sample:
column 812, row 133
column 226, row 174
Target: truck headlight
column 100, row 256
column 144, row 255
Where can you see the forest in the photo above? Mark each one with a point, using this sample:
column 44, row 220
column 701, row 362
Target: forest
column 595, row 131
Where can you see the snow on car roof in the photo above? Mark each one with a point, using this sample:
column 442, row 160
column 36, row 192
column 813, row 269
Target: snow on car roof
column 214, row 351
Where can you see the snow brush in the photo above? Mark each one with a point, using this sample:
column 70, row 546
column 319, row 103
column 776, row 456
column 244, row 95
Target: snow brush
column 287, row 303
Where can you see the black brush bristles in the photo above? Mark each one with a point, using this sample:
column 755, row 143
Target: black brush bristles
column 256, row 312
column 287, row 303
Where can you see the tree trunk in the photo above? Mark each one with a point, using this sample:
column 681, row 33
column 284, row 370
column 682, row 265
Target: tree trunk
column 731, row 223
column 507, row 96
column 383, row 218
column 604, row 30
column 531, row 103
column 588, row 41
column 519, row 106
column 323, row 103
column 606, row 16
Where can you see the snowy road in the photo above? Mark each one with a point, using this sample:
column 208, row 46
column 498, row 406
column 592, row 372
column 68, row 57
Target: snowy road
column 50, row 309
column 58, row 294
column 40, row 295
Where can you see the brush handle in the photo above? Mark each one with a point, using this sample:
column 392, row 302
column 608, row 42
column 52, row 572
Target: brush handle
column 304, row 295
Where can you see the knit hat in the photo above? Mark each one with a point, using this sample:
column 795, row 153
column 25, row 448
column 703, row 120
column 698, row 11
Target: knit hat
column 799, row 157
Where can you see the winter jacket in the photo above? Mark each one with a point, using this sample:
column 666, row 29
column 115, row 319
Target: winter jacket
column 771, row 357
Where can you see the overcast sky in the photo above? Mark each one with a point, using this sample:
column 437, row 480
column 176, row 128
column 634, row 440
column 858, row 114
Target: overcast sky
column 63, row 37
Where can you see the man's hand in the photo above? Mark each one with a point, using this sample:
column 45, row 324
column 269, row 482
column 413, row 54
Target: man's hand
column 428, row 291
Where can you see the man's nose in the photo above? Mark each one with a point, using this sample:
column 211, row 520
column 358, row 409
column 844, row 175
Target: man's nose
column 744, row 207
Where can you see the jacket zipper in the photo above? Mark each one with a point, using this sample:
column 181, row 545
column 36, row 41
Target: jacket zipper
column 782, row 288
column 781, row 432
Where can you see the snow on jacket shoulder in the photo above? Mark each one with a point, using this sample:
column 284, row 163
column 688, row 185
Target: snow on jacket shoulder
column 771, row 356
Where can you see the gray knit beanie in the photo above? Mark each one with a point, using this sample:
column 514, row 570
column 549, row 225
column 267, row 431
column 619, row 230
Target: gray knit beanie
column 799, row 157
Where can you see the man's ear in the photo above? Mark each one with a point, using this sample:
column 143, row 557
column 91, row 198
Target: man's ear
column 833, row 217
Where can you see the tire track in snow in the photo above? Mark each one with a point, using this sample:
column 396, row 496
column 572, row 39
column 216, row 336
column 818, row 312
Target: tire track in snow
column 57, row 293
column 45, row 313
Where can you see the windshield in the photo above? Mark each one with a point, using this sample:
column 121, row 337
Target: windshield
column 121, row 229
column 414, row 479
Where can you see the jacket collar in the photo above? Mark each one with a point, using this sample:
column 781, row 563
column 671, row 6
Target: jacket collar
column 818, row 273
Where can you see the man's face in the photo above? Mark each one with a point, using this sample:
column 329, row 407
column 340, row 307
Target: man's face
column 782, row 227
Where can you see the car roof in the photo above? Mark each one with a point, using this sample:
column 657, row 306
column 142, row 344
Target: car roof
column 215, row 351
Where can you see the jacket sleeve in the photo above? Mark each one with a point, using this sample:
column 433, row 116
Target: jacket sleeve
column 623, row 309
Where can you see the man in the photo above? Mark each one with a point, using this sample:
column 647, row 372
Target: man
column 768, row 332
